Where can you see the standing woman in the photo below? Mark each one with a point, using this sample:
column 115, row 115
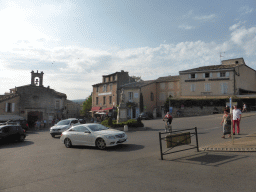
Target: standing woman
column 226, row 121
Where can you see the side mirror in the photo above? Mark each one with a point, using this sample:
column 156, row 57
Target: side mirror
column 87, row 132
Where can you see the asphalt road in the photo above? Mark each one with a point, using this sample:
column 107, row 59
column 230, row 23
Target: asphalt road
column 42, row 163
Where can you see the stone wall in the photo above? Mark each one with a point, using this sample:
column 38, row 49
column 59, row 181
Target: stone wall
column 198, row 111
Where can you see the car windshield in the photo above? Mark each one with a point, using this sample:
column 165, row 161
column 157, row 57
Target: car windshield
column 64, row 122
column 97, row 127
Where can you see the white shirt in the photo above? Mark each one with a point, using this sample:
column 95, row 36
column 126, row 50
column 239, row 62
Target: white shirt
column 236, row 114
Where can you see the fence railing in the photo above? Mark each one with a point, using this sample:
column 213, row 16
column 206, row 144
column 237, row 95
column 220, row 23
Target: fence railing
column 178, row 138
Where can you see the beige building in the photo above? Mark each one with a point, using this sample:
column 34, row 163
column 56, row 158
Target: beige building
column 106, row 95
column 232, row 77
column 165, row 87
column 10, row 104
column 140, row 97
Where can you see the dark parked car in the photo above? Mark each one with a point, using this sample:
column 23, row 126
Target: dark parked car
column 146, row 115
column 22, row 123
column 12, row 132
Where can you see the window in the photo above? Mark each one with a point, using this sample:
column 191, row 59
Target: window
column 152, row 96
column 114, row 78
column 104, row 100
column 57, row 104
column 224, row 88
column 170, row 85
column 162, row 96
column 110, row 99
column 110, row 87
column 193, row 88
column 162, row 85
column 97, row 100
column 207, row 87
column 97, row 89
column 223, row 74
column 130, row 96
column 104, row 88
column 104, row 79
column 192, row 76
column 207, row 75
column 9, row 107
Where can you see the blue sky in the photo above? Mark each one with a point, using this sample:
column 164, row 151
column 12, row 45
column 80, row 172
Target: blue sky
column 76, row 42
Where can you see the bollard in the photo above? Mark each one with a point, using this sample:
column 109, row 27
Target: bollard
column 126, row 128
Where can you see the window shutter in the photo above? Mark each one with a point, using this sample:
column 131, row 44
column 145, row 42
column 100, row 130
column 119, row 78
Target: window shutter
column 222, row 88
column 210, row 74
column 189, row 76
column 218, row 74
column 6, row 107
column 203, row 75
column 227, row 74
column 195, row 76
column 13, row 107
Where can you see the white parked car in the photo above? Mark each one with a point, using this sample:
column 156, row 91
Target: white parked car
column 62, row 126
column 93, row 135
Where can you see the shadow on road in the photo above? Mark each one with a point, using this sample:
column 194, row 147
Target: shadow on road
column 208, row 159
column 117, row 148
column 14, row 144
column 125, row 148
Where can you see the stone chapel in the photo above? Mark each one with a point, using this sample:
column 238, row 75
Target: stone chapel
column 34, row 101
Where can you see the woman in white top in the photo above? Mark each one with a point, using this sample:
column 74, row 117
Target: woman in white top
column 236, row 119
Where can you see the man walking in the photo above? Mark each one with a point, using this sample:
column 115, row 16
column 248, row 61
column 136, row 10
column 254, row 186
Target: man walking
column 236, row 119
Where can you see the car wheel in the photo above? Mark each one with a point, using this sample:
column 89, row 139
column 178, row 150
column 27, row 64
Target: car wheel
column 68, row 143
column 22, row 138
column 100, row 143
column 52, row 135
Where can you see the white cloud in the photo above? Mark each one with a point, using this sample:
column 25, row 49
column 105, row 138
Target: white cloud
column 188, row 15
column 187, row 27
column 246, row 10
column 246, row 39
column 73, row 70
column 205, row 17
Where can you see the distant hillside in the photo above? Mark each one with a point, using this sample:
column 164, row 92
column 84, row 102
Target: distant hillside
column 80, row 101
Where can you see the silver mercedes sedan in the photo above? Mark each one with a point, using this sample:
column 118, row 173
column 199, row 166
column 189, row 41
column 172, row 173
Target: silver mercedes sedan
column 92, row 135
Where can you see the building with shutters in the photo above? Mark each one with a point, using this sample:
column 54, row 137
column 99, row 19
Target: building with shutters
column 232, row 77
column 106, row 95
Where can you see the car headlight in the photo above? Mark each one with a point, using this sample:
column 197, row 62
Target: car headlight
column 110, row 137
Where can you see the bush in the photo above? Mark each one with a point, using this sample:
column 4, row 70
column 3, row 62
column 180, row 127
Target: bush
column 130, row 123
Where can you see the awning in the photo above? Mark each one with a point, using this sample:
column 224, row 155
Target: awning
column 101, row 113
column 95, row 109
column 110, row 108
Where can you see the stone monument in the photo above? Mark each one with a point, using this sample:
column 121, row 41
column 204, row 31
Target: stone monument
column 122, row 111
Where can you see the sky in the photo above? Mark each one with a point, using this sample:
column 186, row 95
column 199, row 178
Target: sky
column 76, row 42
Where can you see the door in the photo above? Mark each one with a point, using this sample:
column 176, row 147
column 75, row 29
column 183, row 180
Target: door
column 83, row 136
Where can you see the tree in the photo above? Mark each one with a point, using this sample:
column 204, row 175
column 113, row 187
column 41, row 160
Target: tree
column 137, row 78
column 87, row 105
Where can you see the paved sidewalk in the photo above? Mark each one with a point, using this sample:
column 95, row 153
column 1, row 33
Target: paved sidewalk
column 245, row 143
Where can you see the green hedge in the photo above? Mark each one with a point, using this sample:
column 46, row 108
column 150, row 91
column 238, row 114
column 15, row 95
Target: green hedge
column 130, row 123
